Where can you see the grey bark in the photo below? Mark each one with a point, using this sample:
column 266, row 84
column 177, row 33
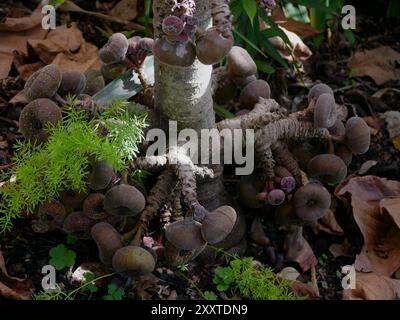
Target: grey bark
column 184, row 95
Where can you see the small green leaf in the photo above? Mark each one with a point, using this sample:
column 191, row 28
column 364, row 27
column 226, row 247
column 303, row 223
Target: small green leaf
column 61, row 257
column 88, row 278
column 71, row 238
column 54, row 2
column 250, row 43
column 223, row 287
column 264, row 66
column 114, row 292
column 209, row 295
column 349, row 34
column 250, row 7
column 222, row 112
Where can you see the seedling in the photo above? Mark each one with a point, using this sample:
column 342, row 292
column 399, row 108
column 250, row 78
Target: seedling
column 114, row 292
column 61, row 257
column 251, row 281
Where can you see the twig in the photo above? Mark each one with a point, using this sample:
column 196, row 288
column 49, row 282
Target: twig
column 6, row 166
column 12, row 122
column 142, row 77
column 314, row 279
column 69, row 6
column 350, row 86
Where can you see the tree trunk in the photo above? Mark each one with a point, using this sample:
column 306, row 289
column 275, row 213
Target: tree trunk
column 184, row 95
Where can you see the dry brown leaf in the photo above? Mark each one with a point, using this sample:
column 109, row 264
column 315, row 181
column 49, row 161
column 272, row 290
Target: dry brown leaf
column 14, row 35
column 371, row 286
column 327, row 224
column 24, row 23
column 366, row 166
column 392, row 207
column 66, row 47
column 11, row 287
column 379, row 226
column 374, row 122
column 378, row 63
column 3, row 144
column 294, row 30
column 299, row 50
column 125, row 9
column 303, row 289
column 298, row 249
column 396, row 143
column 392, row 119
column 341, row 249
column 18, row 100
column 146, row 286
column 289, row 273
column 303, row 30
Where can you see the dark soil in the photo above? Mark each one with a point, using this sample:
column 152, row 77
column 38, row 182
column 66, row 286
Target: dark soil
column 26, row 252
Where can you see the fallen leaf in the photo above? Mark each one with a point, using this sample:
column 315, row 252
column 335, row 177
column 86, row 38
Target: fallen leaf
column 14, row 35
column 24, row 23
column 146, row 286
column 66, row 47
column 69, row 6
column 396, row 143
column 366, row 166
column 379, row 226
column 378, row 63
column 327, row 224
column 342, row 249
column 304, row 30
column 18, row 100
column 388, row 97
column 12, row 287
column 125, row 9
column 289, row 273
column 298, row 51
column 303, row 289
column 392, row 207
column 392, row 119
column 371, row 286
column 298, row 249
column 374, row 122
column 173, row 295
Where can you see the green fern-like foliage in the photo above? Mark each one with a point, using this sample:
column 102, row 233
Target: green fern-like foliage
column 252, row 282
column 40, row 172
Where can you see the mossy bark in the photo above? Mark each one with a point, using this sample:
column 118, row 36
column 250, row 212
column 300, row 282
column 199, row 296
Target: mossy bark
column 184, row 95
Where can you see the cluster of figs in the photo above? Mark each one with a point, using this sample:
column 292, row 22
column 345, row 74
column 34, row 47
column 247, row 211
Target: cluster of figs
column 177, row 45
column 180, row 44
column 105, row 208
column 49, row 87
column 311, row 200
